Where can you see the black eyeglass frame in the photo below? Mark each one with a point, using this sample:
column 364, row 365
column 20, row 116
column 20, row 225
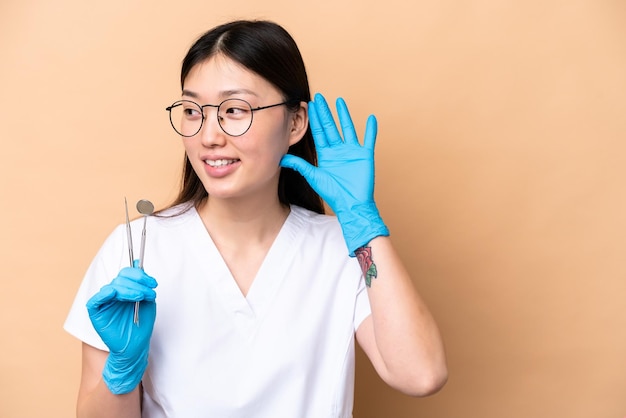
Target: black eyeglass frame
column 201, row 107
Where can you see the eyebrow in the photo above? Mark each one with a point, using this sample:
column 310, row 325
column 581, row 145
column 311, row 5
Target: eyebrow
column 224, row 93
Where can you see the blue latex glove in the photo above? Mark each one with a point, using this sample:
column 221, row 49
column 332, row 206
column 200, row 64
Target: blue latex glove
column 344, row 177
column 111, row 311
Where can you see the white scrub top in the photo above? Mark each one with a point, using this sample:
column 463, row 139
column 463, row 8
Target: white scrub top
column 284, row 350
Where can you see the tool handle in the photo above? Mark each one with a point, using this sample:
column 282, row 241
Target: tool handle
column 143, row 243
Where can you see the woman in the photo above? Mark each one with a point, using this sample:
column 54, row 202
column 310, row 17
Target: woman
column 260, row 295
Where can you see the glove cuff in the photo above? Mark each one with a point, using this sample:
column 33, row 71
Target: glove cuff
column 123, row 378
column 361, row 224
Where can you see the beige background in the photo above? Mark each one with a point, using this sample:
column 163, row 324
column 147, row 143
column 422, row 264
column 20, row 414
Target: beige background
column 500, row 172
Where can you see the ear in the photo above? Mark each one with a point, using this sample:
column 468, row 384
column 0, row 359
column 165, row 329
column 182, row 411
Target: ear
column 299, row 123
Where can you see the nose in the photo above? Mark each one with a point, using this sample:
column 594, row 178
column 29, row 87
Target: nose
column 211, row 134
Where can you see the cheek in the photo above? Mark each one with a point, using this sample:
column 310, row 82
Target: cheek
column 267, row 154
column 283, row 137
column 188, row 150
column 271, row 143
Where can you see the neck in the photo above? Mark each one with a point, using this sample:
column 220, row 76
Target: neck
column 243, row 223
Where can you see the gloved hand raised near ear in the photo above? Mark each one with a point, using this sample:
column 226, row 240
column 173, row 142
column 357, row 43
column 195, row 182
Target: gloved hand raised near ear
column 344, row 177
column 111, row 311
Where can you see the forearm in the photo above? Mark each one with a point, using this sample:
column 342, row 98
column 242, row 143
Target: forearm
column 401, row 337
column 95, row 399
column 101, row 403
column 406, row 337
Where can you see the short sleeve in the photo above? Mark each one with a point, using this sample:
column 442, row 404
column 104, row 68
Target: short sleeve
column 103, row 268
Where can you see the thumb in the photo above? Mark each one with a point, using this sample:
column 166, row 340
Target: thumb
column 106, row 294
column 293, row 162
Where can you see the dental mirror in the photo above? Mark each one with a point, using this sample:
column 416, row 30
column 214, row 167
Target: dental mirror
column 146, row 208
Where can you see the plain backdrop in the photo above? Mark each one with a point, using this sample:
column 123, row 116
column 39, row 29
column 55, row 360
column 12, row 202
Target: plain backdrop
column 501, row 174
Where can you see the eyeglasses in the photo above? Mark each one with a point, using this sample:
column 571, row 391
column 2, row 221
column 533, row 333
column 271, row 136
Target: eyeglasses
column 233, row 115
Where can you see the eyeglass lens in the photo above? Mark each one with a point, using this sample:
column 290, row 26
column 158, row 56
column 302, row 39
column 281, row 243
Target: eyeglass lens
column 233, row 115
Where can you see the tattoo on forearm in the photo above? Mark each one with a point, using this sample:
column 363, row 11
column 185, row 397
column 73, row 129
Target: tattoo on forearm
column 364, row 256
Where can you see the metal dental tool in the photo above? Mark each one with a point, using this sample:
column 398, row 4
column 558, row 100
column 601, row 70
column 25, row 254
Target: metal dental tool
column 146, row 208
column 129, row 235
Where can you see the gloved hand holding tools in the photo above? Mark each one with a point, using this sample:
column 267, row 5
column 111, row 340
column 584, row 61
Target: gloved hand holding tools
column 111, row 311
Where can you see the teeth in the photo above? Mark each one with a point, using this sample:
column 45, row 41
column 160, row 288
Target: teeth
column 219, row 163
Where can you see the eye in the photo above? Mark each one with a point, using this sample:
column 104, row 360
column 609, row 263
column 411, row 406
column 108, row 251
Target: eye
column 235, row 109
column 191, row 111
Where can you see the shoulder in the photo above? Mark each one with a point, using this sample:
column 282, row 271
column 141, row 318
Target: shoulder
column 315, row 220
column 169, row 219
column 175, row 214
column 324, row 229
column 162, row 228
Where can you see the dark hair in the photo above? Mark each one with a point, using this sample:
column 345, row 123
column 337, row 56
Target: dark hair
column 268, row 50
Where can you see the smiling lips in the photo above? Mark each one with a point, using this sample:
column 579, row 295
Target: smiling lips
column 219, row 163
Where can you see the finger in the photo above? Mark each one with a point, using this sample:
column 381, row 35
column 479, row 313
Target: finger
column 128, row 290
column 319, row 137
column 303, row 167
column 326, row 120
column 347, row 127
column 105, row 295
column 371, row 130
column 130, row 294
column 313, row 175
column 138, row 275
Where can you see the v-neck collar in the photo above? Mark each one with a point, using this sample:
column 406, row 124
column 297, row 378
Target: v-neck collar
column 250, row 309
